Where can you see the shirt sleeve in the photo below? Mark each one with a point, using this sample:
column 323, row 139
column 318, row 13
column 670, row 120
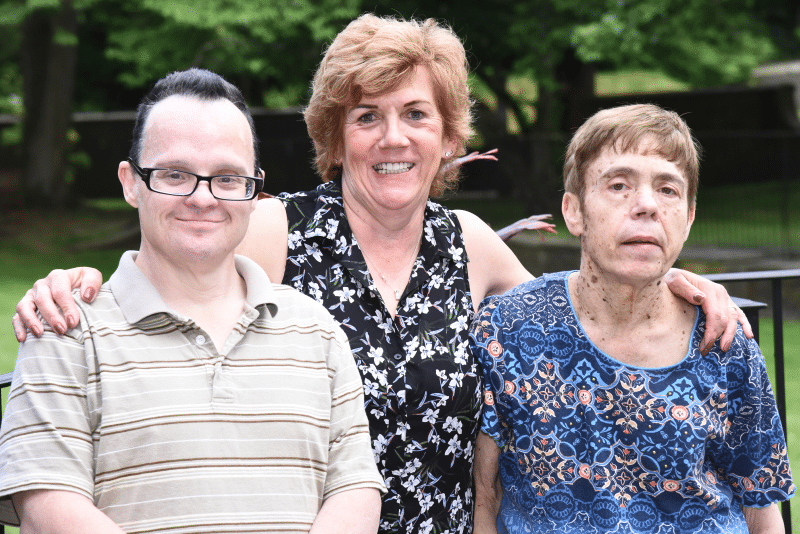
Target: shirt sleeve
column 46, row 439
column 351, row 464
column 753, row 455
column 486, row 342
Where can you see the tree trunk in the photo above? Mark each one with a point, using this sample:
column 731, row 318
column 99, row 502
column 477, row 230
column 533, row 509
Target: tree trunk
column 48, row 59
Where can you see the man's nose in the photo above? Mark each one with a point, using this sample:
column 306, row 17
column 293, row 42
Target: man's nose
column 202, row 194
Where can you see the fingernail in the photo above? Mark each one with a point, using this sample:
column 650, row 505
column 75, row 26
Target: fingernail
column 59, row 328
column 37, row 331
column 698, row 298
column 71, row 321
column 88, row 295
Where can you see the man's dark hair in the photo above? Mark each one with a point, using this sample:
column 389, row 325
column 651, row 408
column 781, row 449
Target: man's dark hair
column 199, row 83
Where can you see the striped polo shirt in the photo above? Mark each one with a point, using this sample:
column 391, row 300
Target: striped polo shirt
column 137, row 410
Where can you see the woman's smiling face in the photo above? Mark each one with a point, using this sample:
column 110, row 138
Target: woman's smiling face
column 393, row 145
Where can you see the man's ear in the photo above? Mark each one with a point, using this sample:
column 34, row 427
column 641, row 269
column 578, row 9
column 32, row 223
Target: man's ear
column 573, row 216
column 127, row 177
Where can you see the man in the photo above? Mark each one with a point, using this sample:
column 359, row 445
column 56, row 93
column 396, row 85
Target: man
column 600, row 412
column 194, row 396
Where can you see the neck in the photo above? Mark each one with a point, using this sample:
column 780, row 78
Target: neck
column 615, row 303
column 389, row 244
column 637, row 322
column 211, row 292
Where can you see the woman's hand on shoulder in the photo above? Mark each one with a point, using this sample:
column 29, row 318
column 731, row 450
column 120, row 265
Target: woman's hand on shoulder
column 722, row 315
column 266, row 241
column 493, row 268
column 52, row 297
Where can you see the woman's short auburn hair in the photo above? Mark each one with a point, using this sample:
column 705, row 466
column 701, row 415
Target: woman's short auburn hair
column 374, row 56
column 624, row 128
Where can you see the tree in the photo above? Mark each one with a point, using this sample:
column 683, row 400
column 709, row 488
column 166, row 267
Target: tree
column 560, row 43
column 48, row 56
column 268, row 47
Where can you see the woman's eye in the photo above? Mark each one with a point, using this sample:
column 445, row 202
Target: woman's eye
column 416, row 115
column 367, row 118
column 669, row 191
column 619, row 186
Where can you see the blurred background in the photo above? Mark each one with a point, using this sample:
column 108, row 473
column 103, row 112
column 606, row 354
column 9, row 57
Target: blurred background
column 72, row 72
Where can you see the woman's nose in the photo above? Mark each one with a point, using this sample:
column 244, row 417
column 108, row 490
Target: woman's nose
column 393, row 133
column 645, row 202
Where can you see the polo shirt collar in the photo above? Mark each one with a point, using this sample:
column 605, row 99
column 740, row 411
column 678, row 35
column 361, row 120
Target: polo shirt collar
column 138, row 298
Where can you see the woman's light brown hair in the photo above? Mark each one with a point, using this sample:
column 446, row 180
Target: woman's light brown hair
column 373, row 56
column 624, row 128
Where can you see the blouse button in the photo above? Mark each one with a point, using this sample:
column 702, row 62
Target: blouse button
column 398, row 357
column 200, row 339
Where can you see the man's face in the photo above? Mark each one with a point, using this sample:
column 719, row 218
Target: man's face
column 634, row 217
column 206, row 138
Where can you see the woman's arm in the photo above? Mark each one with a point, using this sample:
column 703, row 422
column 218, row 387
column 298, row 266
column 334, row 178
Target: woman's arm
column 266, row 243
column 493, row 268
column 488, row 490
column 767, row 520
column 722, row 315
column 52, row 297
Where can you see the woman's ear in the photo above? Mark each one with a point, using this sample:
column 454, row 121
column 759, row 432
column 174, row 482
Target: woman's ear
column 127, row 177
column 573, row 216
column 690, row 222
column 449, row 148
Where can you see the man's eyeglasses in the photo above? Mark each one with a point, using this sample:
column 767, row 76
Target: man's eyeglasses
column 184, row 183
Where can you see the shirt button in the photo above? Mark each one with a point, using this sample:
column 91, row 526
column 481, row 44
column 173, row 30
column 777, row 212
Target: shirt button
column 398, row 357
column 200, row 339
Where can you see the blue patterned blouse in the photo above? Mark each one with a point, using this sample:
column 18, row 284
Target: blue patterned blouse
column 421, row 383
column 591, row 445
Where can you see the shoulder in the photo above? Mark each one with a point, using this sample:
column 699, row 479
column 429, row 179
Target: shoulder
column 266, row 239
column 493, row 267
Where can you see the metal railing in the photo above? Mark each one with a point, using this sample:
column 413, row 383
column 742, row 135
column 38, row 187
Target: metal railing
column 751, row 308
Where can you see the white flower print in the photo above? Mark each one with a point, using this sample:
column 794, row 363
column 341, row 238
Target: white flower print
column 294, row 240
column 453, row 446
column 345, row 294
column 456, row 379
column 452, row 424
column 313, row 251
column 430, row 415
column 426, row 350
column 408, row 398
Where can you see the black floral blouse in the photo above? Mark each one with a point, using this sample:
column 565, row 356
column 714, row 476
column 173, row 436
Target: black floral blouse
column 421, row 384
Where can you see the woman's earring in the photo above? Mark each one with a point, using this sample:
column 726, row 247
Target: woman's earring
column 448, row 154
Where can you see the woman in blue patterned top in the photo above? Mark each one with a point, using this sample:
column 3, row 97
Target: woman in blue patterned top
column 389, row 114
column 600, row 413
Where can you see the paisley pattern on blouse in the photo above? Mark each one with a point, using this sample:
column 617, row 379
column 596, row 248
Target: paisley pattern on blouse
column 591, row 445
column 421, row 383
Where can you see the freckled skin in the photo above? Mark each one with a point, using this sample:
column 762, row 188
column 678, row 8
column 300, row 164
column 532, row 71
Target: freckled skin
column 632, row 220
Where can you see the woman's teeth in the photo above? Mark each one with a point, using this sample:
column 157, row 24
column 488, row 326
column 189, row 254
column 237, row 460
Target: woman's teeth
column 392, row 168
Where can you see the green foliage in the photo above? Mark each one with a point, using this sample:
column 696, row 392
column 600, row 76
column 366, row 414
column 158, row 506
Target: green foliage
column 698, row 42
column 272, row 44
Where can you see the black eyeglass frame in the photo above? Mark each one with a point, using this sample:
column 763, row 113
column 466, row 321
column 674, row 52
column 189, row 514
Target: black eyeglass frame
column 145, row 172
